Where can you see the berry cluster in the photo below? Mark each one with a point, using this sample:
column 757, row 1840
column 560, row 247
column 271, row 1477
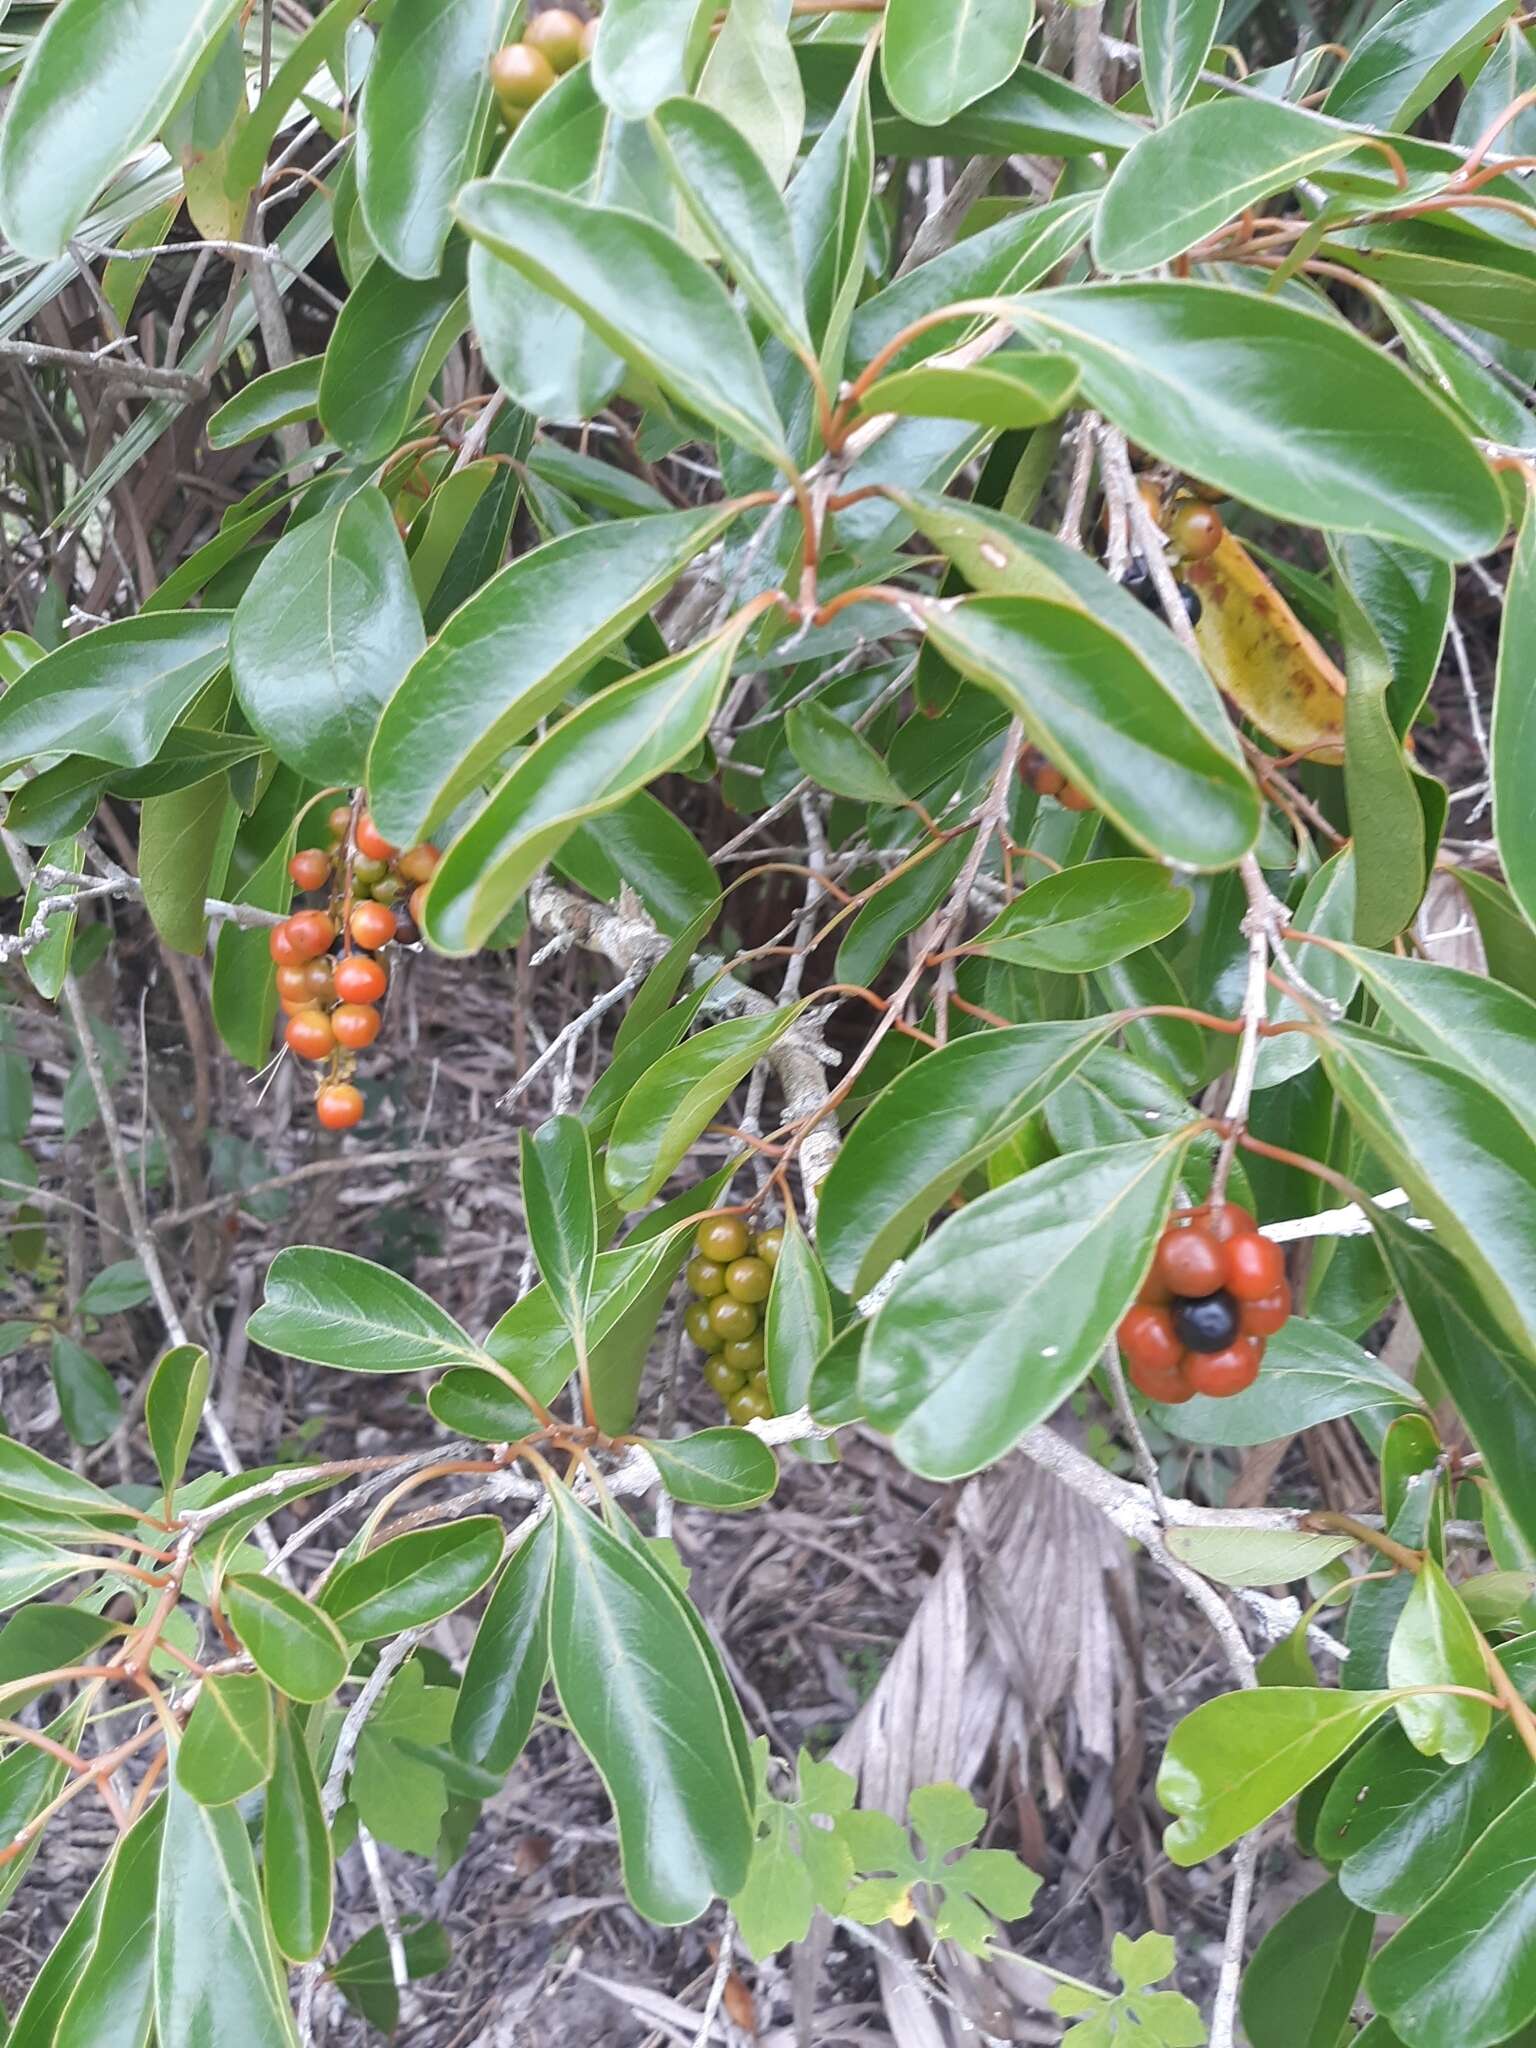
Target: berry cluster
column 730, row 1274
column 328, row 991
column 1217, row 1291
column 1047, row 780
column 521, row 73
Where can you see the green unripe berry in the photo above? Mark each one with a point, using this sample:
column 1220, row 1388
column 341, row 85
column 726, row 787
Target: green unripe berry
column 729, row 1317
column 696, row 1322
column 556, row 34
column 748, row 1279
column 705, row 1278
column 744, row 1354
column 722, row 1239
column 520, row 75
column 720, row 1376
column 747, row 1406
column 768, row 1244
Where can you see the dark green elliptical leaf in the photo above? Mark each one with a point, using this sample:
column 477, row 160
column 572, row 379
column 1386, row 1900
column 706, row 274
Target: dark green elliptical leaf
column 649, row 1706
column 716, row 1468
column 941, row 55
column 111, row 2004
column 290, row 1640
column 637, row 286
column 1009, row 1304
column 1300, row 1984
column 1513, row 738
column 425, row 101
column 1291, row 411
column 115, row 692
column 217, row 1972
column 412, row 1579
column 173, row 1409
column 510, row 1659
column 923, row 1134
column 323, row 635
column 297, row 1868
column 331, row 1308
column 506, row 657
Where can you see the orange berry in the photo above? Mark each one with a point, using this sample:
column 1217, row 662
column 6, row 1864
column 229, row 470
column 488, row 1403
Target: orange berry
column 1074, row 799
column 556, row 35
column 418, row 864
column 339, row 821
column 309, row 1034
column 1255, row 1266
column 1270, row 1313
column 310, row 934
column 1224, row 1373
column 280, row 944
column 360, row 981
column 1196, row 530
column 355, row 1025
column 418, row 905
column 1168, row 1385
column 339, row 1105
column 319, row 982
column 293, row 984
column 372, row 925
column 1148, row 1339
column 589, row 38
column 310, row 868
column 371, row 841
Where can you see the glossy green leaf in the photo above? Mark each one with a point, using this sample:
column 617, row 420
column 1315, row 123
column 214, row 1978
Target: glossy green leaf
column 666, row 1111
column 173, row 1409
column 1187, row 179
column 1093, row 705
column 48, row 963
column 1006, row 1308
column 508, row 655
column 642, row 293
column 602, row 754
column 1490, row 1377
column 1462, row 1972
column 325, row 632
column 1300, row 1984
column 1514, row 722
column 423, row 113
column 1386, row 819
column 1014, row 390
column 509, row 1662
column 560, row 1203
column 649, row 1706
column 217, row 1970
column 751, row 76
column 111, row 2005
column 729, row 192
column 89, row 1402
column 1404, row 60
column 244, row 985
column 226, row 1749
column 647, row 52
column 36, row 2023
column 932, row 1126
column 940, row 55
column 1436, row 1642
column 1462, row 1019
column 331, row 1308
column 1469, row 1166
column 30, row 1480
column 97, row 84
column 1176, row 38
column 1256, row 1557
column 297, row 1869
column 840, row 759
column 643, row 845
column 1211, row 379
column 115, row 692
column 388, row 343
column 413, row 1579
column 365, row 1977
column 1407, row 598
column 1310, row 1375
column 180, row 837
column 1236, row 1760
column 717, row 1468
column 1088, row 917
column 290, row 1640
column 1327, row 907
column 797, row 1323
column 829, row 202
column 276, row 399
column 899, row 906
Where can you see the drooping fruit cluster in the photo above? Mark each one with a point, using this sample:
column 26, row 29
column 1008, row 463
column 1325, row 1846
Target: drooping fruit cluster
column 1216, row 1293
column 1045, row 779
column 328, row 981
column 521, row 73
column 729, row 1275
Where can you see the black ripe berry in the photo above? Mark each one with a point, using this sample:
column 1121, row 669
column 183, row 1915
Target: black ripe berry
column 1209, row 1322
column 1137, row 581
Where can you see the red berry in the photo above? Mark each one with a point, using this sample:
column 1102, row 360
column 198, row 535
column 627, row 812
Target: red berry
column 1074, row 799
column 1255, row 1266
column 1271, row 1312
column 372, row 925
column 339, row 1106
column 1148, row 1339
column 280, row 945
column 360, row 981
column 1168, row 1384
column 418, row 904
column 1190, row 1260
column 1154, row 1291
column 309, row 1034
column 371, row 841
column 1221, row 1373
column 418, row 864
column 310, row 934
column 310, row 868
column 1230, row 1220
column 355, row 1025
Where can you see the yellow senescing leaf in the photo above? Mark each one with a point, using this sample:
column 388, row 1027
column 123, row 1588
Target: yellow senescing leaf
column 1263, row 657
